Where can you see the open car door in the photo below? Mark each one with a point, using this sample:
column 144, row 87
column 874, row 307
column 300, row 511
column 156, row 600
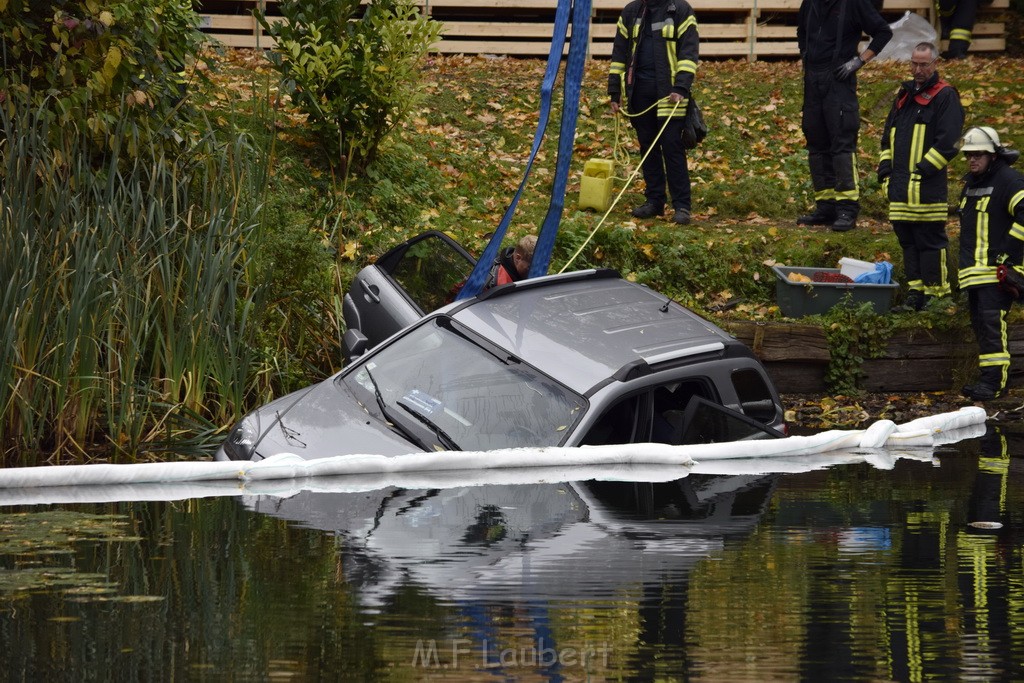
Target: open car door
column 409, row 281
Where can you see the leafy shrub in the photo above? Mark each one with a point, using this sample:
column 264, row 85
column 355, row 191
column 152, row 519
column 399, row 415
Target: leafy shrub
column 98, row 62
column 855, row 333
column 353, row 72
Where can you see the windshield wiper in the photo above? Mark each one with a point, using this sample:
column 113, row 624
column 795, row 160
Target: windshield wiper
column 503, row 356
column 442, row 436
column 387, row 414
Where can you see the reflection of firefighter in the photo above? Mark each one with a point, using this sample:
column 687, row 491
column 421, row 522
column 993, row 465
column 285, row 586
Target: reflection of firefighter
column 970, row 534
column 983, row 565
column 987, row 505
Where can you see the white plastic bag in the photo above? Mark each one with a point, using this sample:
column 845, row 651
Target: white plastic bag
column 907, row 32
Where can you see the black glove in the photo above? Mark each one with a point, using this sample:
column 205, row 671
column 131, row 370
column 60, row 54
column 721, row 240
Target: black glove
column 884, row 170
column 844, row 71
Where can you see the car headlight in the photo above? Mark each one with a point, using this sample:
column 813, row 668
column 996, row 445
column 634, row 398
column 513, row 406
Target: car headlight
column 241, row 441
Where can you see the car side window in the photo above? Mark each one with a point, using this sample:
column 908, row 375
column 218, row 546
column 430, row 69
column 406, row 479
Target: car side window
column 628, row 421
column 429, row 270
column 670, row 402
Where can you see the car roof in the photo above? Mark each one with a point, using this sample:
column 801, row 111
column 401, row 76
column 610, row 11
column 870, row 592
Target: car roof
column 582, row 328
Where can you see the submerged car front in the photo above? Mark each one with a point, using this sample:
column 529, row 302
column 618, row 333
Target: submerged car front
column 437, row 386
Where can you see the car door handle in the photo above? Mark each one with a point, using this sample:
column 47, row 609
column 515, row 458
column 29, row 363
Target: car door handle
column 372, row 292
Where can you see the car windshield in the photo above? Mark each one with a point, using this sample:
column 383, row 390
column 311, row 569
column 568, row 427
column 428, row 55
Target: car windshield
column 463, row 392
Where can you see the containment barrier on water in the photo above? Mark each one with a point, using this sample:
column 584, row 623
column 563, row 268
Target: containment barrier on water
column 921, row 433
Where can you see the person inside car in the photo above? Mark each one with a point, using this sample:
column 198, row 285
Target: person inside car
column 513, row 263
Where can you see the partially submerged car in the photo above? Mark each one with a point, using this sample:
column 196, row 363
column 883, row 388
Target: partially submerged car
column 564, row 360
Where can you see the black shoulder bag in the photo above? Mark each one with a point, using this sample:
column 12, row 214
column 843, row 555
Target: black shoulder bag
column 694, row 127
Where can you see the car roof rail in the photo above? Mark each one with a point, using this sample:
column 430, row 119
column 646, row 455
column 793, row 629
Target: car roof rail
column 545, row 280
column 662, row 361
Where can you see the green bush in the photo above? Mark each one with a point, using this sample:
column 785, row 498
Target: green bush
column 98, row 63
column 353, row 72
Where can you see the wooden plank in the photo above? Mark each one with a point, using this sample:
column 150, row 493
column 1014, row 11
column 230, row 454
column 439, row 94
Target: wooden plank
column 794, row 5
column 989, row 28
column 988, row 45
column 538, row 29
column 244, row 40
column 926, row 343
column 707, row 32
column 932, row 374
column 782, row 341
column 493, row 47
column 228, row 22
column 481, row 29
column 723, row 49
column 797, row 378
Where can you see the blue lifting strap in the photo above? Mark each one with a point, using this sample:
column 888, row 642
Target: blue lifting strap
column 566, row 136
column 476, row 279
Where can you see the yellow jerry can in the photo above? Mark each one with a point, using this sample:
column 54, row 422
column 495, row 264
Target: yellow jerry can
column 596, row 184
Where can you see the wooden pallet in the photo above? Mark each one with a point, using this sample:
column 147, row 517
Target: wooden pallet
column 749, row 29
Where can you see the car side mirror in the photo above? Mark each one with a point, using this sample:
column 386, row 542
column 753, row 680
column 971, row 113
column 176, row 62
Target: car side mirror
column 762, row 410
column 354, row 344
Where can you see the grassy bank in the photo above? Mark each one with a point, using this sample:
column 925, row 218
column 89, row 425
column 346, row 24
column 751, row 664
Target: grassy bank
column 456, row 167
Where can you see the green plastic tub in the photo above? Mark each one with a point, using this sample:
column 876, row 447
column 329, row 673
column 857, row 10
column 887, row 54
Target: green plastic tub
column 797, row 299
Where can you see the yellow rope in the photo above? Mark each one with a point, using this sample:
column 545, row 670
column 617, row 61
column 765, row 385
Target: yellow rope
column 628, row 181
column 620, row 149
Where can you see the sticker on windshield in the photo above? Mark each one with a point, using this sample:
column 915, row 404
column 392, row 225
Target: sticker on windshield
column 425, row 403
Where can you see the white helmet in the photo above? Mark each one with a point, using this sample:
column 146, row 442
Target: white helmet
column 981, row 139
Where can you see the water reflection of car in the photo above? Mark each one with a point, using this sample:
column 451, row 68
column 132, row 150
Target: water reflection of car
column 566, row 360
column 515, row 542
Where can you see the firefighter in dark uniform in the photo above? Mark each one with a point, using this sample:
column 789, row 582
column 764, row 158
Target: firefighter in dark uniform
column 991, row 233
column 919, row 141
column 827, row 33
column 654, row 62
column 956, row 19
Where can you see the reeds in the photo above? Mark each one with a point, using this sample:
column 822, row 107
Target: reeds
column 126, row 289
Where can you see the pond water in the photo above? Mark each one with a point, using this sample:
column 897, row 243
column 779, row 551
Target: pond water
column 888, row 569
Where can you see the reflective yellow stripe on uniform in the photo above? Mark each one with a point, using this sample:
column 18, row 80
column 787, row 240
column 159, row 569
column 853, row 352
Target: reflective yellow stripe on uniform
column 960, row 34
column 903, row 211
column 1016, row 230
column 916, row 152
column 981, row 229
column 936, row 159
column 987, row 360
column 977, row 275
column 682, row 65
column 854, row 194
column 939, row 290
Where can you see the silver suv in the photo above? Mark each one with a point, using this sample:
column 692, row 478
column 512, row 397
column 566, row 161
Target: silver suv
column 564, row 360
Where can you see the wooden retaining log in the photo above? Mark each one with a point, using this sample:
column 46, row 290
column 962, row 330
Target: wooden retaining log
column 796, row 356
